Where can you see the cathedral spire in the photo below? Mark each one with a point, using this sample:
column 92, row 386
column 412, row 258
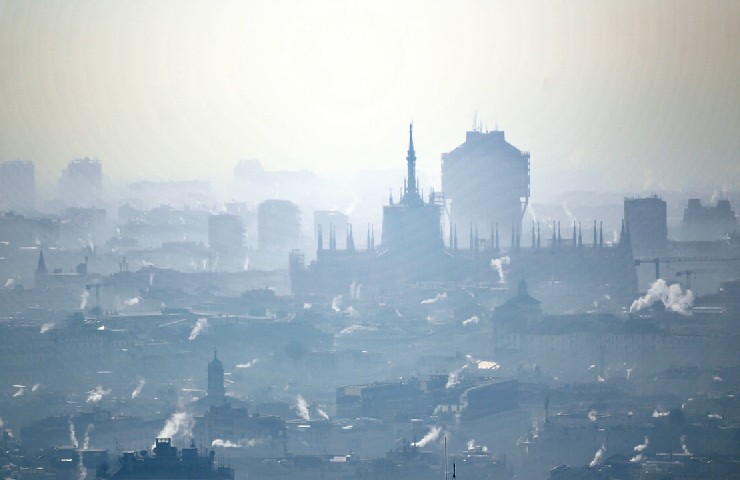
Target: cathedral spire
column 411, row 183
column 350, row 240
column 41, row 268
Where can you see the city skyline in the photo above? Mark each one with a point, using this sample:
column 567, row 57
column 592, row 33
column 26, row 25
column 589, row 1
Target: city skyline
column 605, row 97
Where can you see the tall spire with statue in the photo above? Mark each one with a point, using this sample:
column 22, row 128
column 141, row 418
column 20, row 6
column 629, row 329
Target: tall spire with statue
column 411, row 194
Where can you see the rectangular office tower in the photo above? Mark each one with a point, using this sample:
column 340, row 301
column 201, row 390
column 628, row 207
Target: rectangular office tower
column 647, row 221
column 486, row 180
column 81, row 183
column 226, row 241
column 17, row 186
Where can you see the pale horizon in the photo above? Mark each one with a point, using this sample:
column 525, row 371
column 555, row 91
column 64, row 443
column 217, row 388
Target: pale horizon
column 606, row 96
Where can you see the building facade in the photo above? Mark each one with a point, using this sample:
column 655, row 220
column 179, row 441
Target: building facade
column 486, row 181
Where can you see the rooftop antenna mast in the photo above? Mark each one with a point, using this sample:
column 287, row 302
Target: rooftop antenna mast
column 446, row 457
column 475, row 121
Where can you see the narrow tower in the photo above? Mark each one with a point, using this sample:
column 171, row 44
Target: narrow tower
column 216, row 390
column 411, row 193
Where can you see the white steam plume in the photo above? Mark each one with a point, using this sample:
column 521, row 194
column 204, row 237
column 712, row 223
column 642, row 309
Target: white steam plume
column 72, row 435
column 249, row 364
column 592, row 415
column 354, row 290
column 20, row 392
column 671, row 296
column 322, row 413
column 659, row 412
column 435, row 299
column 83, row 299
column 47, row 326
column 598, row 457
column 97, row 394
column 351, row 208
column 684, row 448
column 82, row 475
column 247, row 443
column 471, row 321
column 356, row 328
column 137, row 390
column 567, row 211
column 199, row 326
column 179, row 424
column 452, row 378
column 130, row 302
column 35, row 387
column 431, row 436
column 336, row 303
column 498, row 264
column 639, row 449
column 301, row 407
column 86, row 439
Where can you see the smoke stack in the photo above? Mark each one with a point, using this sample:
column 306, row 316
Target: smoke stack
column 574, row 234
column 476, row 239
column 539, row 244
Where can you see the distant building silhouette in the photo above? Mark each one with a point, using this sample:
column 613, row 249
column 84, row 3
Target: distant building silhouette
column 81, row 183
column 486, row 180
column 226, row 240
column 278, row 225
column 648, row 222
column 216, row 389
column 707, row 223
column 412, row 227
column 412, row 250
column 17, row 186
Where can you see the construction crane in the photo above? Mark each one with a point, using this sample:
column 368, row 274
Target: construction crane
column 691, row 273
column 665, row 260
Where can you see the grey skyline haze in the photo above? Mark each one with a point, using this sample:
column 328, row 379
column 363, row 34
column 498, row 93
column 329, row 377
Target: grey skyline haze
column 605, row 95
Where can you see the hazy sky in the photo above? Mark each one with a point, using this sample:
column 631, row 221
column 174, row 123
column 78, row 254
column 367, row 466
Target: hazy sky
column 617, row 95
